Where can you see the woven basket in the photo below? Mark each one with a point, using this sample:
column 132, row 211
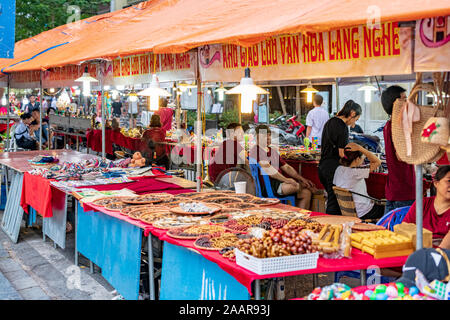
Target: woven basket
column 421, row 152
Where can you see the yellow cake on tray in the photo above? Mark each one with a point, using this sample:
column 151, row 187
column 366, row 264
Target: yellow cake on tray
column 382, row 243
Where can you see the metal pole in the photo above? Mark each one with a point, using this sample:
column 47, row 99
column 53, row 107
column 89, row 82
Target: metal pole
column 419, row 206
column 7, row 117
column 199, row 135
column 151, row 275
column 103, row 120
column 257, row 290
column 41, row 91
column 199, row 160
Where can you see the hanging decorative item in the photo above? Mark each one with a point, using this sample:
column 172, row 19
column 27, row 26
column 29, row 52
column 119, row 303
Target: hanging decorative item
column 421, row 152
column 248, row 91
column 437, row 129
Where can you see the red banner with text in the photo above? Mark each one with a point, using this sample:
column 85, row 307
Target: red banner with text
column 168, row 67
column 347, row 52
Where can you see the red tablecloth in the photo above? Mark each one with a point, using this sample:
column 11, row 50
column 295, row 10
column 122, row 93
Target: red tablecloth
column 38, row 193
column 133, row 144
column 375, row 183
column 187, row 153
column 358, row 261
column 94, row 140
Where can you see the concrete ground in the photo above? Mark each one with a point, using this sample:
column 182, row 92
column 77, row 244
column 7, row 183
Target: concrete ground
column 34, row 270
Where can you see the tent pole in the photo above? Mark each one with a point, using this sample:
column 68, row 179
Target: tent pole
column 419, row 206
column 103, row 118
column 8, row 106
column 178, row 110
column 41, row 92
column 198, row 128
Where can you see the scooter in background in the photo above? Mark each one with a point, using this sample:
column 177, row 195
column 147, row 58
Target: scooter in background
column 295, row 127
column 369, row 142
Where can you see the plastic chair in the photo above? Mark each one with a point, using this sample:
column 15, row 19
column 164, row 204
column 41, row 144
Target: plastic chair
column 255, row 168
column 347, row 204
column 396, row 216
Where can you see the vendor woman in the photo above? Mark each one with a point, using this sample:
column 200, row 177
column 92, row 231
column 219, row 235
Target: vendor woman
column 436, row 210
column 153, row 148
column 23, row 133
column 334, row 140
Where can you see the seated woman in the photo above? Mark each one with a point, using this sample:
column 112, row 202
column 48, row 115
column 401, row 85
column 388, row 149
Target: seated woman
column 349, row 175
column 23, row 135
column 153, row 150
column 230, row 153
column 436, row 210
column 284, row 179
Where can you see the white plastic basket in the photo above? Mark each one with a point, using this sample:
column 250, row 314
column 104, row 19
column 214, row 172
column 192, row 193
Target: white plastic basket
column 264, row 266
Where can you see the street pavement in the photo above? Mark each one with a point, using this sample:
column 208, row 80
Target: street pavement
column 34, row 270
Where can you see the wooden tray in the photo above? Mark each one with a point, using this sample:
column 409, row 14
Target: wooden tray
column 176, row 236
column 215, row 208
column 132, row 201
column 267, row 201
column 358, row 227
column 116, row 199
column 330, row 219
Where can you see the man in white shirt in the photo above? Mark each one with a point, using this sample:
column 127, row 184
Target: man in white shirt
column 316, row 119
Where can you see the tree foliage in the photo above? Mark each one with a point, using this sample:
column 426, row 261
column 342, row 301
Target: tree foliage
column 36, row 16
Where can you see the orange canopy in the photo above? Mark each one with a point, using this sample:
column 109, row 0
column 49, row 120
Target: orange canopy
column 174, row 26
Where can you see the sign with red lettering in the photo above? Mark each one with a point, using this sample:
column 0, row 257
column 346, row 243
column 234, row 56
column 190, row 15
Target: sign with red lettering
column 432, row 45
column 168, row 67
column 346, row 52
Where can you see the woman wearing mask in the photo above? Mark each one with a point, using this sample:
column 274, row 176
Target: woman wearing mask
column 334, row 140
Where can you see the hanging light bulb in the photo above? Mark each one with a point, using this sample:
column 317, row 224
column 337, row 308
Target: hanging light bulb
column 86, row 79
column 154, row 92
column 368, row 88
column 309, row 92
column 52, row 90
column 248, row 91
column 221, row 92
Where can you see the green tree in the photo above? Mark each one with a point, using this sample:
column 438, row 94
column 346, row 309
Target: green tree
column 36, row 16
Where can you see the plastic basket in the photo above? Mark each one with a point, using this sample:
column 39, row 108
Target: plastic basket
column 264, row 266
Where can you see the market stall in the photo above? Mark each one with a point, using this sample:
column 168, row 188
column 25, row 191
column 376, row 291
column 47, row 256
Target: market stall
column 228, row 279
column 272, row 59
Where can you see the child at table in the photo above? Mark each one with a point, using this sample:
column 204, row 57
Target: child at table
column 349, row 175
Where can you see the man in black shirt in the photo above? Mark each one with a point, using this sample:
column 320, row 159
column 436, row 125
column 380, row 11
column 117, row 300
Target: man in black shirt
column 117, row 108
column 334, row 140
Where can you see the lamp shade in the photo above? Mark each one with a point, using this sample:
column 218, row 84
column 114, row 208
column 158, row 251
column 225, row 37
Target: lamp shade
column 248, row 91
column 86, row 77
column 368, row 88
column 154, row 89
